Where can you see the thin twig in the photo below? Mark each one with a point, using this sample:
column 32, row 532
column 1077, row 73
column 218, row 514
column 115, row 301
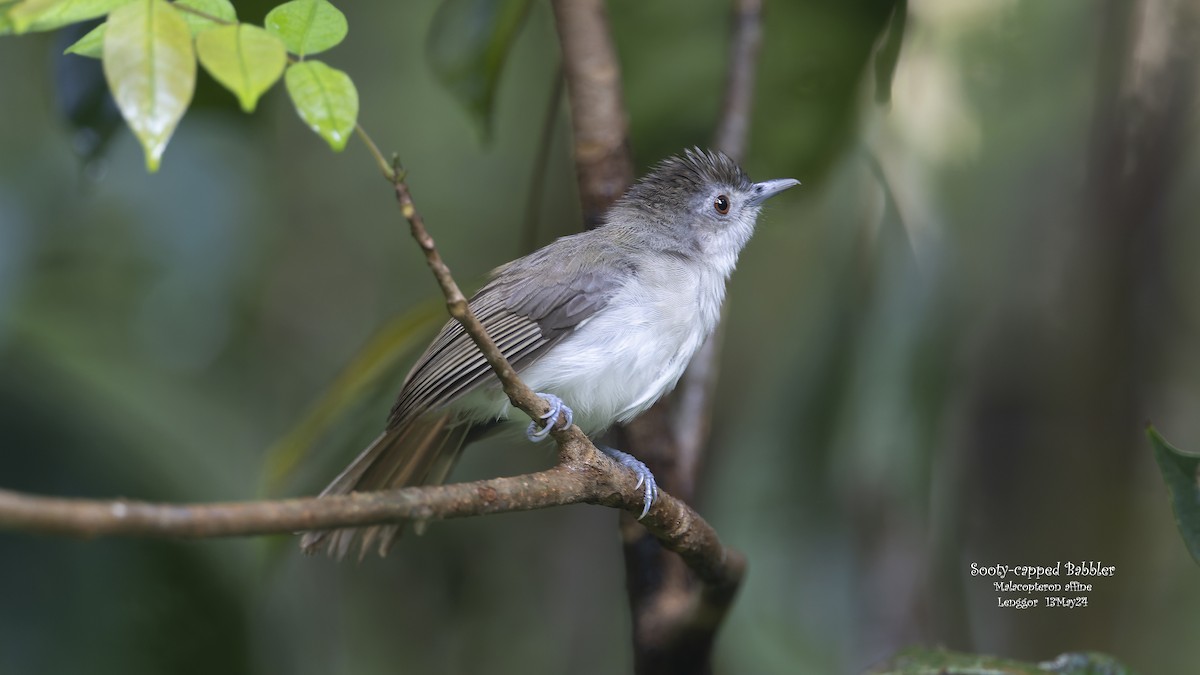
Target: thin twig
column 384, row 166
column 202, row 14
column 518, row 393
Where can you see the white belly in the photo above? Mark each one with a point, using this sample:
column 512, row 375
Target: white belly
column 625, row 357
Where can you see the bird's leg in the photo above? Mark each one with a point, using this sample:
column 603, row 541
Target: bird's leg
column 538, row 433
column 645, row 477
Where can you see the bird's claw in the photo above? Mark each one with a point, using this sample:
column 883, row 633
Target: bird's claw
column 538, row 433
column 644, row 475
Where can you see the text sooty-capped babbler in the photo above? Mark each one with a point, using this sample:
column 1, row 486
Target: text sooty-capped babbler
column 601, row 324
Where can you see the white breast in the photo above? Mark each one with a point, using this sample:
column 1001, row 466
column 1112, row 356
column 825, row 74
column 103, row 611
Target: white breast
column 621, row 360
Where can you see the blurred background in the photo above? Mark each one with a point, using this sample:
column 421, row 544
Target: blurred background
column 941, row 350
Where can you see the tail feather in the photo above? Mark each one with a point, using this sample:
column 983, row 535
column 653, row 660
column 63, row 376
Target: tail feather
column 420, row 452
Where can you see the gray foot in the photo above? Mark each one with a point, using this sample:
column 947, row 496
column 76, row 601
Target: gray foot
column 645, row 477
column 538, row 434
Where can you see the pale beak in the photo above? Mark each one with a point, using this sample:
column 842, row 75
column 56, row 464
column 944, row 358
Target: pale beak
column 763, row 191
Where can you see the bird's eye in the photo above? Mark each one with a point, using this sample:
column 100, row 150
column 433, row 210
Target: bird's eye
column 721, row 204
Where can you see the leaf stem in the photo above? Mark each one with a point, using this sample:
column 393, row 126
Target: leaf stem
column 202, row 14
column 385, row 167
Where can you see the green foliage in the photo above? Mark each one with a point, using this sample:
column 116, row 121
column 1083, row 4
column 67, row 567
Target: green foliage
column 307, row 26
column 246, row 59
column 38, row 15
column 150, row 61
column 90, row 45
column 941, row 662
column 468, row 43
column 1181, row 471
column 6, row 26
column 219, row 9
column 326, row 100
column 151, row 68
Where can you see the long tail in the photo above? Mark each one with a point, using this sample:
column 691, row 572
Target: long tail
column 420, row 452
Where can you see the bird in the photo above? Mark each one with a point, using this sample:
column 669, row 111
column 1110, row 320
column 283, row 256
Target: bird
column 601, row 324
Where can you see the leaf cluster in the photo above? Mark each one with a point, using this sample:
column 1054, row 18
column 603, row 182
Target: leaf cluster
column 150, row 50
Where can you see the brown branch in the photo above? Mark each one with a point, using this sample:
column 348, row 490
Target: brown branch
column 584, row 475
column 603, row 164
column 518, row 393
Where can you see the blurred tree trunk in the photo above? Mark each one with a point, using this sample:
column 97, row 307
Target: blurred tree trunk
column 1054, row 414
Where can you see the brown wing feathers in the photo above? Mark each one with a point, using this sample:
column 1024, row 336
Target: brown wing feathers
column 413, row 454
column 424, row 438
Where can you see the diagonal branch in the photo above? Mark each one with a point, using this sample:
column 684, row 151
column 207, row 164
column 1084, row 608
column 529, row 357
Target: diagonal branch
column 456, row 304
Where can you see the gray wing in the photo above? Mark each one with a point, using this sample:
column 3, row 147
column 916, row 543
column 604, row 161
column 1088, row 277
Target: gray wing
column 529, row 305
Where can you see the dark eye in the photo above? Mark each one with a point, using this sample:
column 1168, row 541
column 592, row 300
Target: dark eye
column 721, row 204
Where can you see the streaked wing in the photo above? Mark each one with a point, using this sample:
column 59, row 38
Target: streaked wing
column 527, row 307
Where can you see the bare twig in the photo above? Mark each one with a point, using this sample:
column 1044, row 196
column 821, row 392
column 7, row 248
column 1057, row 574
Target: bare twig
column 603, row 164
column 384, row 167
column 456, row 303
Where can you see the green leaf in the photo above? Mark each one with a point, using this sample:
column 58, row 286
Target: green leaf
column 90, row 45
column 245, row 59
column 307, row 26
column 6, row 25
column 467, row 45
column 151, row 69
column 1181, row 471
column 221, row 9
column 326, row 100
column 38, row 15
